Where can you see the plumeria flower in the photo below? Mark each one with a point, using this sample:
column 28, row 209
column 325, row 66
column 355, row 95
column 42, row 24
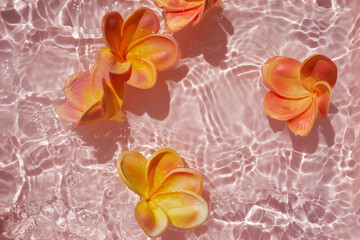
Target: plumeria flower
column 299, row 91
column 179, row 13
column 91, row 97
column 134, row 48
column 170, row 193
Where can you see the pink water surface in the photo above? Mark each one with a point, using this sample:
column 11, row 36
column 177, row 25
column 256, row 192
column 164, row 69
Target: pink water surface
column 260, row 180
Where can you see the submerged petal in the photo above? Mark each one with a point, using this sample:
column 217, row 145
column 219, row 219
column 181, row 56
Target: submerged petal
column 160, row 163
column 93, row 114
column 161, row 50
column 282, row 75
column 324, row 94
column 68, row 112
column 178, row 5
column 185, row 209
column 139, row 24
column 78, row 91
column 175, row 21
column 143, row 73
column 108, row 60
column 320, row 68
column 302, row 124
column 112, row 24
column 151, row 218
column 131, row 168
column 282, row 108
column 181, row 179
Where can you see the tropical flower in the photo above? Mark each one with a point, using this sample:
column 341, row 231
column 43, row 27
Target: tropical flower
column 169, row 192
column 299, row 92
column 179, row 13
column 135, row 49
column 91, row 97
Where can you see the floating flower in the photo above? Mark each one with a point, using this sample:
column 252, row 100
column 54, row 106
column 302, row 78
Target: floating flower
column 134, row 47
column 299, row 92
column 179, row 13
column 92, row 97
column 170, row 192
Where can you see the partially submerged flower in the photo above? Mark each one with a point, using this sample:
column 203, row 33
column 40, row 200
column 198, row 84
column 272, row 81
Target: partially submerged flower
column 179, row 13
column 91, row 97
column 299, row 91
column 134, row 48
column 170, row 192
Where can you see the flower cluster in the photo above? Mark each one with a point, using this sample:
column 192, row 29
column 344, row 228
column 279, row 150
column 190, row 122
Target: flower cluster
column 134, row 54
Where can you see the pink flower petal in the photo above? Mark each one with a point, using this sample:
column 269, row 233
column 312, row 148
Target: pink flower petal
column 78, row 91
column 161, row 50
column 302, row 124
column 143, row 73
column 320, row 68
column 282, row 108
column 141, row 23
column 185, row 209
column 111, row 62
column 282, row 75
column 91, row 115
column 151, row 218
column 324, row 94
column 68, row 112
column 112, row 24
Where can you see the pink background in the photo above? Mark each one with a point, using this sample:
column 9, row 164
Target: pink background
column 260, row 180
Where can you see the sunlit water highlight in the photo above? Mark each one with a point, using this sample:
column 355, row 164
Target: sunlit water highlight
column 261, row 181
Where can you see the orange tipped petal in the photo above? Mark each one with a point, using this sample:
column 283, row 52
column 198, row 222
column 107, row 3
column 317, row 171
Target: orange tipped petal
column 139, row 24
column 118, row 84
column 161, row 50
column 184, row 209
column 93, row 114
column 282, row 108
column 78, row 91
column 324, row 94
column 108, row 60
column 160, row 163
column 97, row 75
column 143, row 73
column 131, row 168
column 181, row 179
column 109, row 102
column 176, row 21
column 112, row 24
column 282, row 75
column 151, row 218
column 178, row 5
column 302, row 124
column 320, row 68
column 68, row 112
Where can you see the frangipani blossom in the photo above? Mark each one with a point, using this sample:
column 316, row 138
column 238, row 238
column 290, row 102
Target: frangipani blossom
column 179, row 13
column 299, row 91
column 135, row 49
column 91, row 97
column 170, row 193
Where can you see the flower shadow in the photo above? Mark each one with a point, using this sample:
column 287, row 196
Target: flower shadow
column 104, row 137
column 208, row 38
column 156, row 100
column 309, row 143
